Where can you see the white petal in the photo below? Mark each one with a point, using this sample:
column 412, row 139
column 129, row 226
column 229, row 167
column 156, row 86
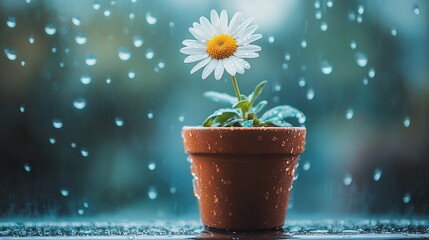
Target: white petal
column 243, row 63
column 229, row 66
column 235, row 21
column 207, row 26
column 200, row 65
column 249, row 39
column 197, row 34
column 223, row 22
column 192, row 43
column 214, row 17
column 219, row 70
column 193, row 50
column 249, row 31
column 250, row 48
column 245, row 54
column 241, row 27
column 209, row 68
column 238, row 67
column 203, row 31
column 195, row 57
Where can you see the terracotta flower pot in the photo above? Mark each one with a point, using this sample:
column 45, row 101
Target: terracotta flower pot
column 243, row 176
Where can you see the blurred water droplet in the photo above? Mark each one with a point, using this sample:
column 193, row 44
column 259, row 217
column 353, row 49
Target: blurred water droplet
column 23, row 63
column 86, row 205
column 287, row 56
column 96, row 5
column 173, row 190
column 365, row 81
column 306, row 166
column 416, row 10
column 80, row 211
column 181, row 118
column 394, row 32
column 27, row 167
column 353, row 45
column 11, row 22
column 64, row 191
column 79, row 103
column 150, row 115
column 371, row 73
column 90, row 60
column 73, row 145
column 326, row 67
column 108, row 80
column 161, row 64
column 119, row 122
column 152, row 193
column 31, row 39
column 10, row 54
column 50, row 29
column 107, row 13
column 271, row 39
column 330, row 3
column 277, row 87
column 323, row 26
column 361, row 59
column 377, row 174
column 150, row 19
column 285, row 66
column 304, row 43
column 171, row 24
column 22, row 108
column 52, row 140
column 85, row 79
column 131, row 74
column 149, row 54
column 80, row 38
column 124, row 54
column 407, row 122
column 76, row 21
column 131, row 16
column 352, row 16
column 317, row 4
column 407, row 198
column 349, row 113
column 151, row 166
column 359, row 19
column 302, row 82
column 361, row 9
column 310, row 94
column 348, row 179
column 138, row 41
column 57, row 123
column 318, row 14
column 84, row 152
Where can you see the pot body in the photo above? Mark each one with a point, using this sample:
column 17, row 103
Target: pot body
column 243, row 176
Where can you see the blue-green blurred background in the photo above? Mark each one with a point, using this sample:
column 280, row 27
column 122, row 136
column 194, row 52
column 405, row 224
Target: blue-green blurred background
column 93, row 96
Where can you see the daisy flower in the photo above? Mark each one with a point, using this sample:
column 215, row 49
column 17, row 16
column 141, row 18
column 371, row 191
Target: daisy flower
column 220, row 46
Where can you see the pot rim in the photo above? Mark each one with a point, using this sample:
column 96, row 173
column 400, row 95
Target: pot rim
column 242, row 128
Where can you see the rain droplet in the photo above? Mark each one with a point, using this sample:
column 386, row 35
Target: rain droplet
column 306, row 166
column 138, row 41
column 131, row 15
column 303, row 43
column 85, row 79
column 407, row 122
column 11, row 22
column 161, row 64
column 10, row 54
column 361, row 59
column 124, row 54
column 326, row 67
column 150, row 115
column 323, row 26
column 359, row 19
column 330, row 3
column 318, row 14
column 96, row 5
column 371, row 73
column 287, row 56
column 84, row 152
column 57, row 123
column 310, row 94
column 348, row 179
column 80, row 211
column 377, row 174
column 317, row 4
column 22, row 108
column 76, row 21
column 150, row 19
column 353, row 45
column 149, row 54
column 65, row 192
column 31, row 39
column 181, row 118
column 171, row 24
column 119, row 122
column 271, row 39
column 90, row 60
column 285, row 66
column 352, row 16
column 151, row 166
column 80, row 38
column 407, row 198
column 361, row 9
column 27, row 167
column 73, row 145
column 349, row 113
column 152, row 193
column 79, row 103
column 416, row 10
column 86, row 205
column 50, row 29
column 131, row 74
column 52, row 140
column 302, row 82
column 365, row 81
column 107, row 13
column 173, row 190
column 277, row 87
column 394, row 32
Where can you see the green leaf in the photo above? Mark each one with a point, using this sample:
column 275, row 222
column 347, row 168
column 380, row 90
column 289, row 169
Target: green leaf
column 257, row 92
column 258, row 107
column 220, row 116
column 226, row 115
column 244, row 105
column 232, row 122
column 283, row 112
column 220, row 97
column 243, row 97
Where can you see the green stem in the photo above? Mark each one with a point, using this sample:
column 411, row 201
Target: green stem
column 237, row 92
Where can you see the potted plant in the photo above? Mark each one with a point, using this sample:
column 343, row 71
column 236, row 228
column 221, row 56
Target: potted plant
column 242, row 164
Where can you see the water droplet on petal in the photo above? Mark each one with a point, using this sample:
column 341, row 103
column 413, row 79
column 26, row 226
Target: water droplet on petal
column 64, row 191
column 57, row 123
column 348, row 179
column 377, row 174
column 407, row 122
column 361, row 59
column 124, row 54
column 150, row 19
column 79, row 103
column 27, row 167
column 349, row 113
column 151, row 166
column 80, row 38
column 119, row 122
column 85, row 79
column 152, row 193
column 76, row 21
column 138, row 41
column 90, row 60
column 10, row 54
column 407, row 198
column 326, row 67
column 50, row 29
column 11, row 22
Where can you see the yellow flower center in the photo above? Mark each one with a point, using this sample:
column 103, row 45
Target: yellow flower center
column 221, row 46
